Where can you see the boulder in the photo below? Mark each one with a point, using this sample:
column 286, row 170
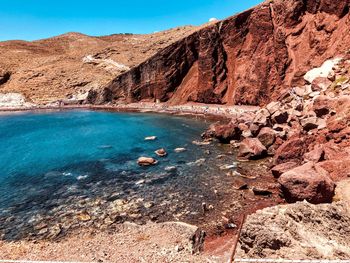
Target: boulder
column 293, row 149
column 280, row 169
column 308, row 182
column 267, row 136
column 146, row 161
column 251, row 148
column 224, row 132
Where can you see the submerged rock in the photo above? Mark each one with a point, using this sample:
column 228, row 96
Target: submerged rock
column 179, row 150
column 150, row 138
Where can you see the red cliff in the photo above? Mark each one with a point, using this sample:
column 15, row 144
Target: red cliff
column 249, row 58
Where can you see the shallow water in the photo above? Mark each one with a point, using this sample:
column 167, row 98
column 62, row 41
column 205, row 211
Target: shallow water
column 66, row 170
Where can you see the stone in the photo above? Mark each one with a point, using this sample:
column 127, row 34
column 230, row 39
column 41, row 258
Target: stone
column 84, row 217
column 146, row 161
column 239, row 183
column 309, row 123
column 293, row 149
column 279, row 169
column 254, row 129
column 267, row 136
column 273, row 106
column 308, row 182
column 280, row 117
column 179, row 150
column 316, row 155
column 261, row 191
column 223, row 132
column 150, row 138
column 161, row 152
column 262, row 117
column 320, row 84
column 252, row 148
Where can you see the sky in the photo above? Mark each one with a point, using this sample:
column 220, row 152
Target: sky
column 37, row 19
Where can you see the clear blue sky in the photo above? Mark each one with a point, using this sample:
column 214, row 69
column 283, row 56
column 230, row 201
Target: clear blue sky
column 36, row 19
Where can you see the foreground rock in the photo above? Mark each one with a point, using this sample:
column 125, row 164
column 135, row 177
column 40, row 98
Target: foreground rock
column 297, row 231
column 307, row 182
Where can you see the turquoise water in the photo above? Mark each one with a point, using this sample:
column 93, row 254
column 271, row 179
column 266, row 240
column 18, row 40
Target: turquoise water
column 57, row 166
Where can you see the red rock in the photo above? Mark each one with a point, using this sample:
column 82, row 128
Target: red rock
column 251, row 148
column 279, row 169
column 266, row 136
column 223, row 132
column 316, row 155
column 308, row 182
column 337, row 169
column 293, row 149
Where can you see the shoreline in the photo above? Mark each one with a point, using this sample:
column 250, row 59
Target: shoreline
column 191, row 109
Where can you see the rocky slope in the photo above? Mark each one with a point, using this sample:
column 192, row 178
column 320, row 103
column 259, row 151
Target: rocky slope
column 249, row 58
column 70, row 65
column 307, row 135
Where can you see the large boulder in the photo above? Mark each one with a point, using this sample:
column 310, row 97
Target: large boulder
column 251, row 148
column 308, row 182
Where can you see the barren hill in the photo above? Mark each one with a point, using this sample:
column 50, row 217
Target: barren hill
column 70, row 64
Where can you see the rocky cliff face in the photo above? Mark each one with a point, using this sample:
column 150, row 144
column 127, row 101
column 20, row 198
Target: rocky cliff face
column 249, row 58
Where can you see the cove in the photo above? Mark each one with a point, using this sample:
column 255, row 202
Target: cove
column 65, row 170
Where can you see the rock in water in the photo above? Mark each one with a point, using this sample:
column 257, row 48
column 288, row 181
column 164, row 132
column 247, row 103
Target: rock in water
column 308, row 182
column 146, row 161
column 161, row 152
column 150, row 138
column 179, row 150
